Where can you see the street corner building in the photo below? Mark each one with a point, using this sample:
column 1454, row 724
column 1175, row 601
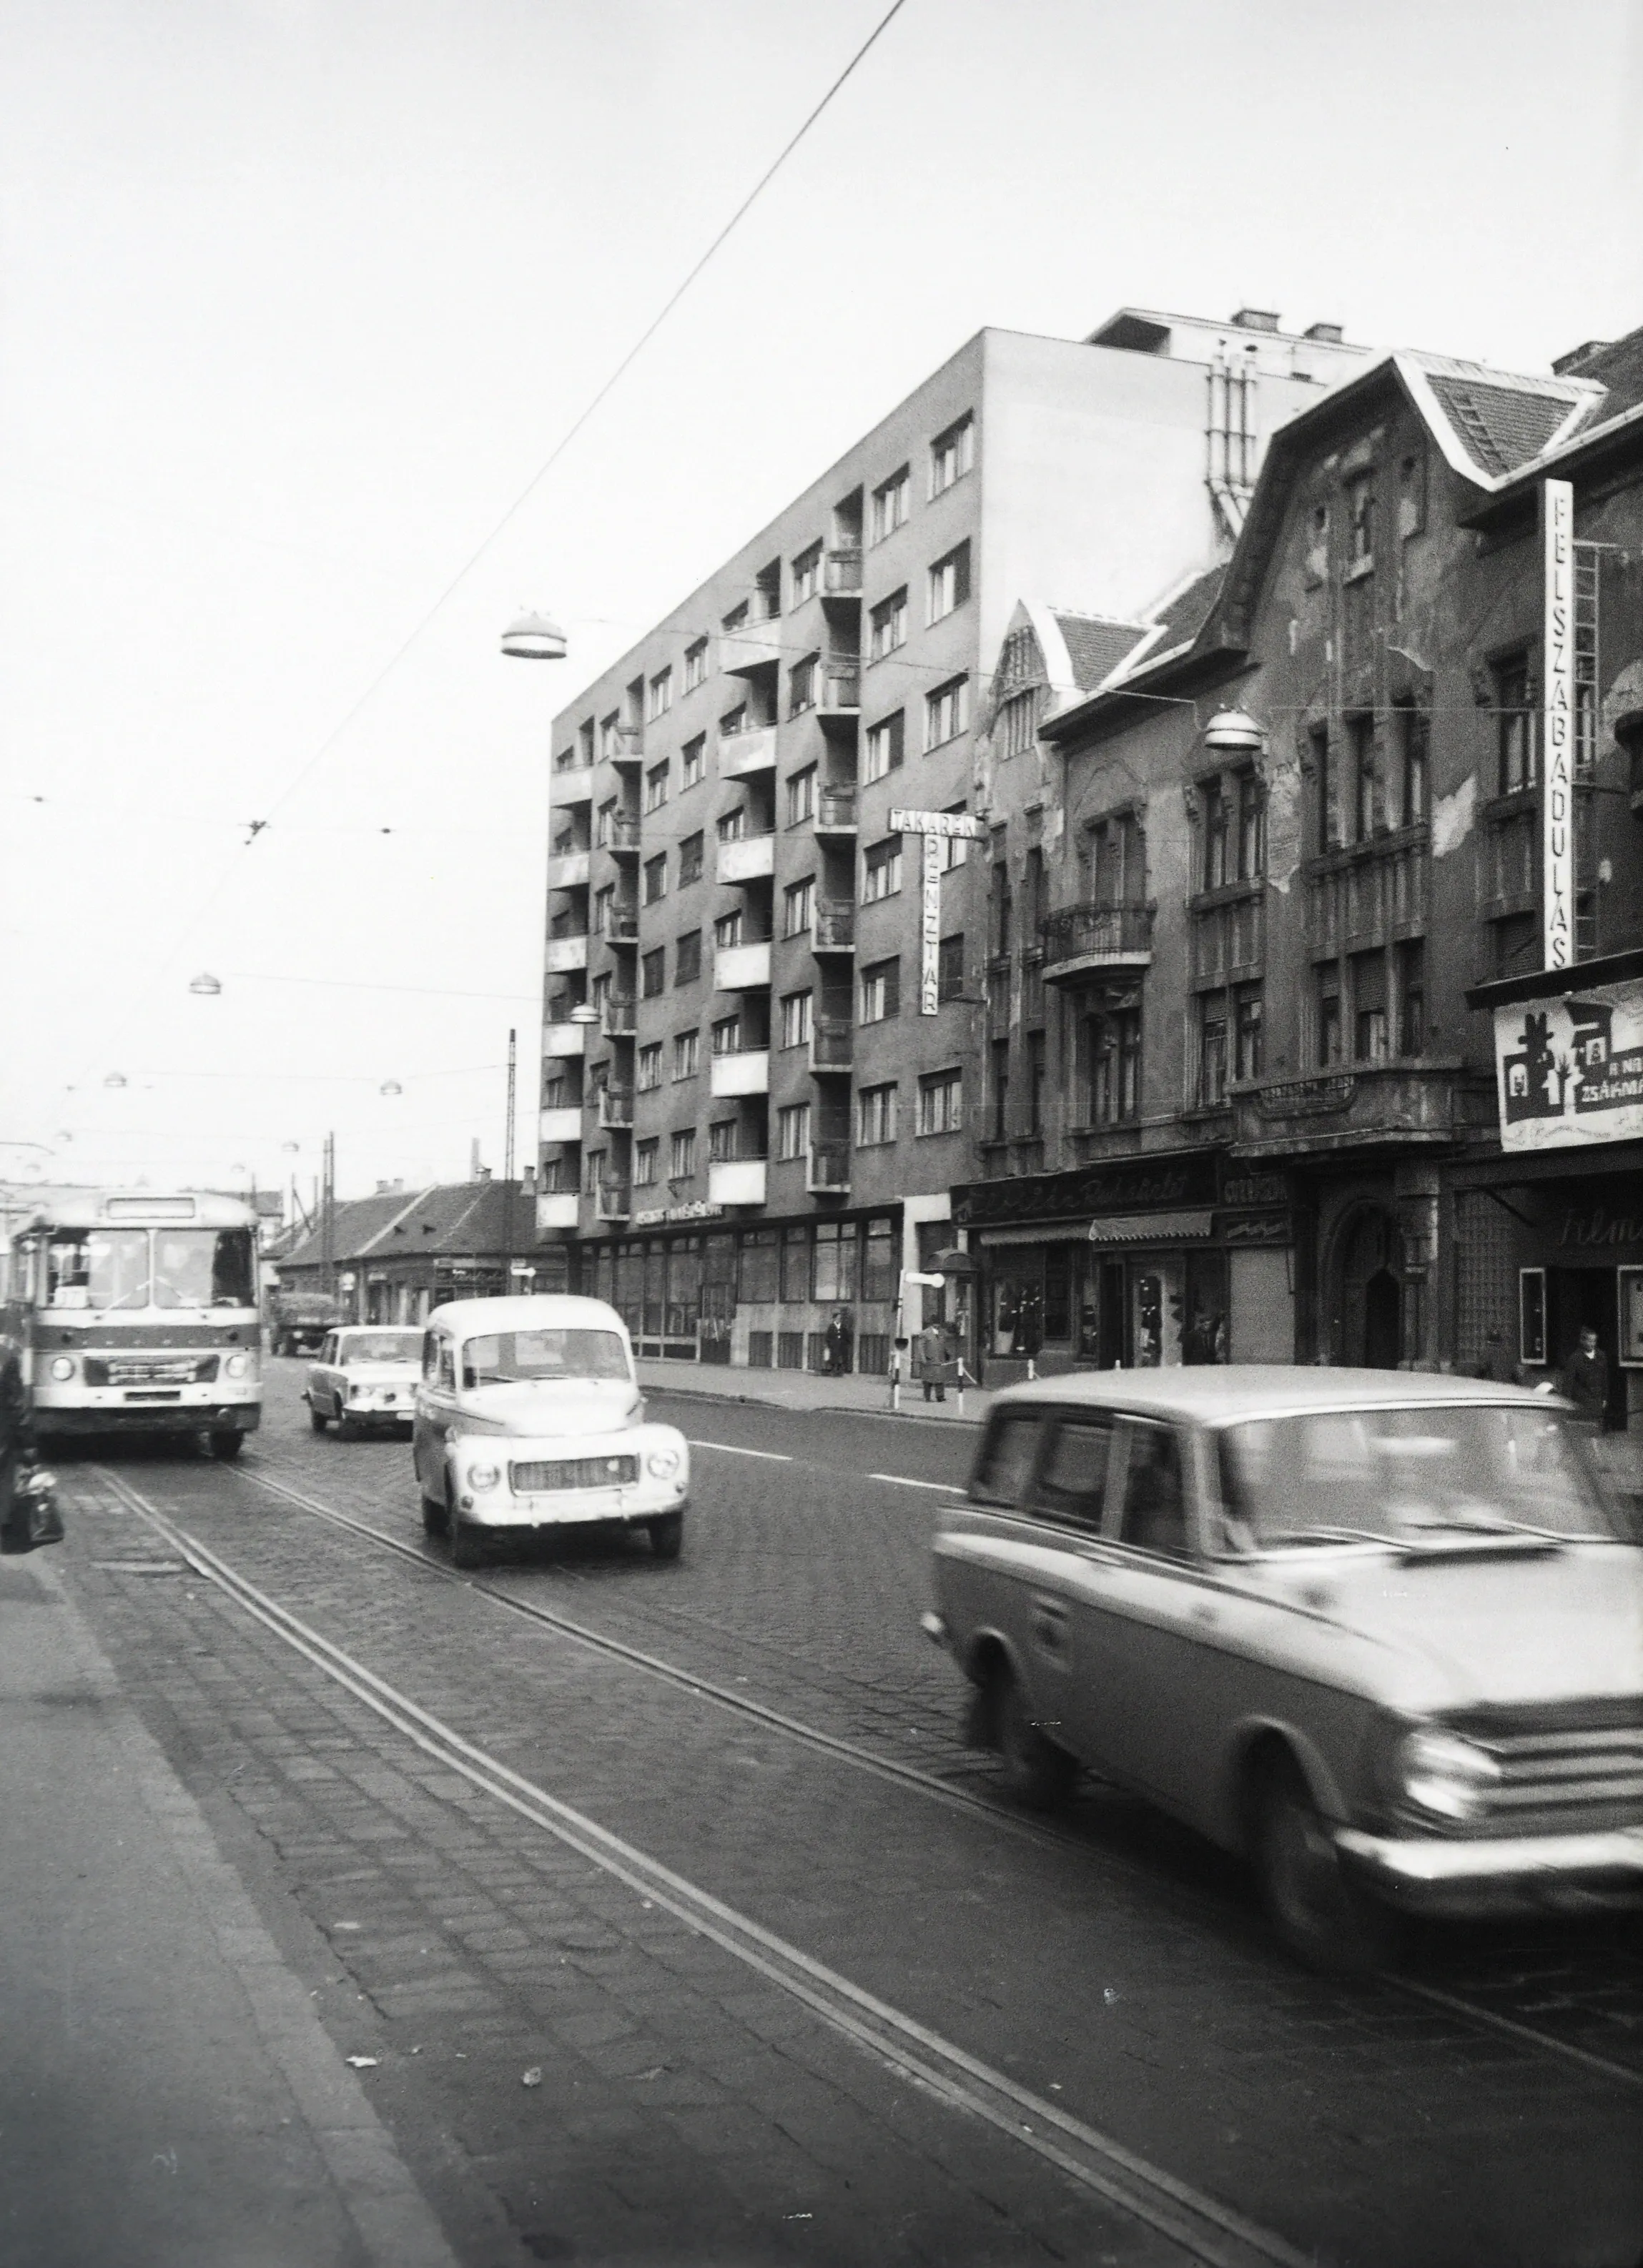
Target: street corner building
column 393, row 1256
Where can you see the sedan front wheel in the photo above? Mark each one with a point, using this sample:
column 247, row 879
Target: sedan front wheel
column 1323, row 1917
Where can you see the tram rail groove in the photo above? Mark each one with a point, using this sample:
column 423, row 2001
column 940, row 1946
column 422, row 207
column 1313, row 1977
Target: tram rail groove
column 1203, row 2228
column 926, row 1784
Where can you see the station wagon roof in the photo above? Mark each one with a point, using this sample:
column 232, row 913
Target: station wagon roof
column 1223, row 1394
column 535, row 1311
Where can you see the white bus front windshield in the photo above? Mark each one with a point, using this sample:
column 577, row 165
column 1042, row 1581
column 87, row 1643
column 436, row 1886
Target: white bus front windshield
column 105, row 1268
column 501, row 1357
column 203, row 1268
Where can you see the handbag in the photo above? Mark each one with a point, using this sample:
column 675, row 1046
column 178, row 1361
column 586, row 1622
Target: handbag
column 34, row 1519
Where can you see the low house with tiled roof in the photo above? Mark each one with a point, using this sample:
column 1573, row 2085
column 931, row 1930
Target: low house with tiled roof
column 1294, row 854
column 394, row 1256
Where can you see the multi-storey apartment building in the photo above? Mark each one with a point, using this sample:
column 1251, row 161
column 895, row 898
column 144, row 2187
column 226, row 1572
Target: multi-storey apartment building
column 1311, row 1082
column 760, row 1046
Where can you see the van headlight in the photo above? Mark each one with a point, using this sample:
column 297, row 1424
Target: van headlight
column 664, row 1463
column 62, row 1366
column 236, row 1366
column 484, row 1477
column 1447, row 1774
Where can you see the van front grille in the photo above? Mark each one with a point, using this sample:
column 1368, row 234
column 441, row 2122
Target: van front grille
column 541, row 1477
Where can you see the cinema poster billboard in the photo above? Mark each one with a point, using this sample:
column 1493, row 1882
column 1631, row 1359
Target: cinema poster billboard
column 1570, row 1069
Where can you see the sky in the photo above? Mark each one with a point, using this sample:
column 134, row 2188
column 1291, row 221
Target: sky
column 297, row 298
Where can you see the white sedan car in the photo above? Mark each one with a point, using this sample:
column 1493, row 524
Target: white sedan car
column 529, row 1416
column 365, row 1379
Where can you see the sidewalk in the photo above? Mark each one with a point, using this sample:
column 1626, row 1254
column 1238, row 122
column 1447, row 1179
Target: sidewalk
column 806, row 1390
column 168, row 2098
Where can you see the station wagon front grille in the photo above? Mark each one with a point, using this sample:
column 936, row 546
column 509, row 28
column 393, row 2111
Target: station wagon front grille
column 1578, row 1768
column 573, row 1473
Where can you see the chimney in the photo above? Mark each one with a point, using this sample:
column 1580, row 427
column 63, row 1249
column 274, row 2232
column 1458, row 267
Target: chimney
column 530, row 1181
column 1568, row 365
column 1327, row 335
column 1256, row 319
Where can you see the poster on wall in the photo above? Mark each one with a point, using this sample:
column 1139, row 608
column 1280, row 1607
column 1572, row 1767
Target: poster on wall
column 1570, row 1072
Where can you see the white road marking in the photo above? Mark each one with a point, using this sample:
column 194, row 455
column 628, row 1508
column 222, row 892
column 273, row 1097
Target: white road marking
column 946, row 1488
column 729, row 1448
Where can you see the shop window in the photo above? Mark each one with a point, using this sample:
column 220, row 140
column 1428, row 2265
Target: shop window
column 1057, row 1293
column 1205, row 1325
column 795, row 1265
column 877, row 1262
column 758, row 1272
column 1531, row 1309
column 833, row 1276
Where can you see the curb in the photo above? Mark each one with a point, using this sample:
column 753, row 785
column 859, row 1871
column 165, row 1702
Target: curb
column 805, row 1409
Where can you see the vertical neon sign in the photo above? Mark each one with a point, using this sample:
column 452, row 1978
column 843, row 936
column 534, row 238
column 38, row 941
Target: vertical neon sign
column 1557, row 808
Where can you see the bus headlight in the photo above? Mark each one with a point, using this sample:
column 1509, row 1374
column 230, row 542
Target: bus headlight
column 663, row 1462
column 236, row 1366
column 1447, row 1774
column 62, row 1366
column 484, row 1477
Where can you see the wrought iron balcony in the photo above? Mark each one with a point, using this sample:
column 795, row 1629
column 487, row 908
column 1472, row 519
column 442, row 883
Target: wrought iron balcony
column 1399, row 1105
column 618, row 1016
column 621, row 837
column 833, row 926
column 1084, row 940
column 615, row 1106
column 832, row 1046
column 835, row 813
column 827, row 1172
column 615, row 1200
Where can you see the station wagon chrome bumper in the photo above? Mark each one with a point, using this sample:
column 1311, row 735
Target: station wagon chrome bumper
column 1499, row 1873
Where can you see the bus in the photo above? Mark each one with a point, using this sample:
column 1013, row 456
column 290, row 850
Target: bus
column 137, row 1313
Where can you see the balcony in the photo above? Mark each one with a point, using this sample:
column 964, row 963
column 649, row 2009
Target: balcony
column 615, row 1200
column 616, row 1107
column 567, row 869
column 736, row 1181
column 841, row 690
column 561, row 1122
column 1399, row 1106
column 741, row 755
column 621, row 836
column 833, row 929
column 625, row 744
column 571, row 784
column 618, row 1017
column 749, row 859
column 561, row 1041
column 741, row 1070
column 620, row 925
column 827, row 1171
column 841, row 573
column 832, row 1047
column 561, row 953
column 1080, row 940
column 741, row 967
column 755, row 645
column 835, row 820
column 555, row 1209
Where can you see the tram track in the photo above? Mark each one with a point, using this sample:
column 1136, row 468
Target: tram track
column 928, row 1784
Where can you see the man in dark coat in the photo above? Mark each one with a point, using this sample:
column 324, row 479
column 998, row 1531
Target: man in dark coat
column 1585, row 1378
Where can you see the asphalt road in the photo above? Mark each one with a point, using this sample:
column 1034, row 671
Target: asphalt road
column 885, row 2018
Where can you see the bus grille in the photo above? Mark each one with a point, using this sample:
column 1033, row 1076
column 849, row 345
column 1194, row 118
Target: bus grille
column 151, row 1370
column 573, row 1473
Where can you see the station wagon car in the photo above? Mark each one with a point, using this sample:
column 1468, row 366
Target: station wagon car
column 1381, row 1631
column 363, row 1379
column 529, row 1416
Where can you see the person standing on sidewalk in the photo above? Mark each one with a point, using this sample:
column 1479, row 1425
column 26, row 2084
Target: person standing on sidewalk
column 933, row 1362
column 1585, row 1378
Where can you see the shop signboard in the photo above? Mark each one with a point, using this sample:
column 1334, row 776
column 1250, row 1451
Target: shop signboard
column 1142, row 1183
column 1558, row 737
column 1570, row 1069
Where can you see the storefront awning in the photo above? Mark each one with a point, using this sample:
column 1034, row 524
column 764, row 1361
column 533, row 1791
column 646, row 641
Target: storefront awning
column 1182, row 1228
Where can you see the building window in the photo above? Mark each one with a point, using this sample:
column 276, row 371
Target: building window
column 881, row 870
column 949, row 583
column 885, row 746
column 594, row 1168
column 1247, row 1052
column 721, row 1141
column 1329, row 1016
column 734, row 824
column 727, row 929
column 952, row 455
column 1326, row 788
column 881, row 992
column 610, row 734
column 801, row 796
column 998, row 1087
column 955, row 849
column 950, row 968
column 887, row 625
column 734, row 721
column 1114, row 859
column 1217, row 836
column 557, row 1093
column 1412, row 493
column 690, row 860
column 656, row 786
column 604, row 907
column 946, row 712
column 941, row 1102
column 1367, row 817
column 645, row 1164
column 736, row 619
column 890, row 503
column 1212, row 1050
column 584, row 742
column 647, row 1072
column 807, row 575
column 1411, row 998
column 875, row 1115
column 797, row 903
column 793, row 1130
column 1036, row 1071
column 1112, row 1066
column 1251, row 827
column 1372, row 1038
column 656, row 877
column 1414, row 750
column 605, row 823
column 795, row 1020
column 1515, row 725
column 727, row 1036
column 695, row 665
column 692, row 760
column 653, row 973
column 660, row 696
column 682, row 1155
column 802, row 681
column 687, row 957
column 1017, row 726
column 1317, row 567
column 687, row 1054
column 1361, row 518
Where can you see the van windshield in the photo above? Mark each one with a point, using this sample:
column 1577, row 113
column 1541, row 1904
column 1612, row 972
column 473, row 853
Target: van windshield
column 1408, row 1476
column 498, row 1357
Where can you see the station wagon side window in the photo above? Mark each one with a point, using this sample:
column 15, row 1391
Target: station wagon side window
column 1154, row 1514
column 1078, row 1466
column 1003, row 1468
column 328, row 1348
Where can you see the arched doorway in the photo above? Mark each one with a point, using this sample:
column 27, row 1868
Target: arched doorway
column 1369, row 1299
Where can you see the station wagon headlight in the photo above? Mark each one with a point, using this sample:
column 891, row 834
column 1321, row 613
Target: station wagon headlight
column 664, row 1463
column 62, row 1366
column 1447, row 1774
column 484, row 1477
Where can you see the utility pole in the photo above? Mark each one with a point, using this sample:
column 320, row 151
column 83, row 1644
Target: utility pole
column 327, row 1217
column 507, row 1173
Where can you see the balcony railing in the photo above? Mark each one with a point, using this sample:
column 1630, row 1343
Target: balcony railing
column 835, row 811
column 561, row 1122
column 621, row 834
column 563, row 954
column 615, row 1200
column 621, row 925
column 1407, row 1104
column 626, row 745
column 1080, row 937
column 570, row 784
column 751, row 645
column 841, row 687
column 841, row 573
column 833, row 927
column 618, row 1017
column 747, row 858
column 741, row 967
column 563, row 1041
column 615, row 1106
column 832, row 1044
column 555, row 1209
column 737, row 1180
column 743, row 753
column 567, row 869
column 740, row 1070
column 827, row 1172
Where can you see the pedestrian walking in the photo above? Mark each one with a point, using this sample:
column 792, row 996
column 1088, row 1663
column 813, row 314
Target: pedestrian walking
column 835, row 1344
column 1585, row 1378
